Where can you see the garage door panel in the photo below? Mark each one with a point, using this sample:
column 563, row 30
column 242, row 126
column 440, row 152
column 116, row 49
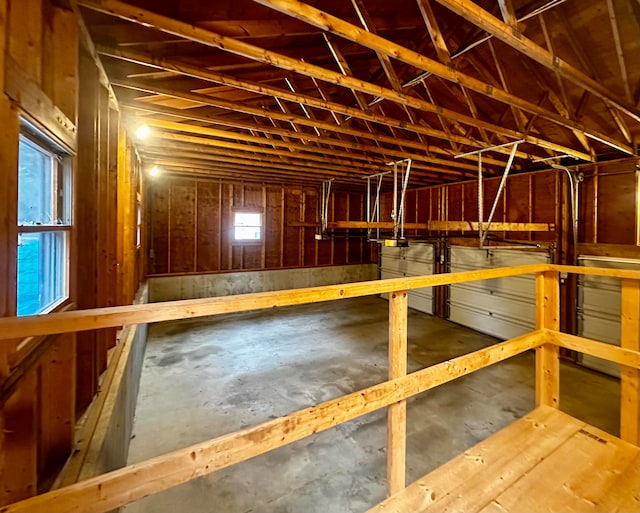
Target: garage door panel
column 414, row 260
column 507, row 327
column 506, row 306
column 599, row 308
column 502, row 307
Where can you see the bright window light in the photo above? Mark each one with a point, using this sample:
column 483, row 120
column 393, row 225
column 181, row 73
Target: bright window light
column 247, row 226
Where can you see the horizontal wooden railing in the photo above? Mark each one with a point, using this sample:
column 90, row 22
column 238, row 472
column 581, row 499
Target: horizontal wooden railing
column 131, row 483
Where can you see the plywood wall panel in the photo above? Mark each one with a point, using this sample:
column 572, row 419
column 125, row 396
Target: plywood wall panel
column 208, row 226
column 274, row 227
column 182, row 227
column 227, row 227
column 544, row 203
column 518, row 206
column 158, row 208
column 470, row 202
column 311, row 217
column 252, row 257
column 325, row 252
column 253, row 196
column 19, row 453
column 292, row 256
column 617, row 197
column 357, row 237
column 340, row 213
column 588, row 211
column 455, row 202
column 237, row 257
column 25, row 36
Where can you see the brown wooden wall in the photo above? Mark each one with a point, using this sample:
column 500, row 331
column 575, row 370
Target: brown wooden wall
column 609, row 208
column 46, row 383
column 526, row 198
column 608, row 218
column 190, row 225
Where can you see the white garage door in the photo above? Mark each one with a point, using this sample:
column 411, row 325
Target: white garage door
column 599, row 308
column 502, row 307
column 414, row 260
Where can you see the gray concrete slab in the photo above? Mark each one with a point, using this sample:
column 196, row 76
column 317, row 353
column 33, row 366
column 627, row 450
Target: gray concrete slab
column 207, row 377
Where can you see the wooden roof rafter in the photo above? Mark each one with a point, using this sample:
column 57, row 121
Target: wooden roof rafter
column 486, row 21
column 122, row 10
column 453, row 168
column 424, row 156
column 335, row 25
column 180, row 67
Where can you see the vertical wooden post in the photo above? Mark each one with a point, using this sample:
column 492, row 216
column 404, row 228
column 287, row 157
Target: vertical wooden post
column 547, row 362
column 630, row 377
column 397, row 413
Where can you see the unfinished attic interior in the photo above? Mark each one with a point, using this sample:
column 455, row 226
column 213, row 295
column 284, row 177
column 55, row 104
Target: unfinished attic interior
column 275, row 255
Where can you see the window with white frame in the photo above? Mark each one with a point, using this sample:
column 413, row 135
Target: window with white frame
column 44, row 223
column 247, row 226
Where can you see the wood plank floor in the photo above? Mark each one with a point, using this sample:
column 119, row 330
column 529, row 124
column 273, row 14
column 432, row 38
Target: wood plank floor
column 546, row 461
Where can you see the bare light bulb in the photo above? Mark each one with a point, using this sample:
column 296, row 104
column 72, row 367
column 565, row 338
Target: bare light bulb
column 143, row 132
column 154, row 171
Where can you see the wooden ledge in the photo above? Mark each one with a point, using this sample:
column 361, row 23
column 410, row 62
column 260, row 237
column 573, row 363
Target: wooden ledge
column 545, row 461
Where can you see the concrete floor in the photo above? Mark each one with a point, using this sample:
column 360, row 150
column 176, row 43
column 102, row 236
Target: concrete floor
column 207, row 377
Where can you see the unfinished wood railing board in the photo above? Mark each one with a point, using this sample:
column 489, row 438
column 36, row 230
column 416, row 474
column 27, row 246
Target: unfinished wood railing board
column 630, row 377
column 397, row 413
column 131, row 483
column 621, row 355
column 97, row 318
column 547, row 356
column 542, row 462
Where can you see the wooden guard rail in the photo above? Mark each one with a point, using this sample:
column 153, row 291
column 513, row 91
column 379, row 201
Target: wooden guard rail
column 131, row 483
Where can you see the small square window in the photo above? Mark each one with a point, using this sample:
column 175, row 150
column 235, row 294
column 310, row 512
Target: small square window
column 247, row 226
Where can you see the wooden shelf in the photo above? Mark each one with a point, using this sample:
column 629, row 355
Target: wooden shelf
column 545, row 461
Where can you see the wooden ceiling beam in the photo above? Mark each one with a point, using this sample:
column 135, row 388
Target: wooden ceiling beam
column 557, row 103
column 508, row 13
column 284, row 168
column 433, row 28
column 619, row 52
column 191, row 158
column 232, row 106
column 486, row 21
column 385, row 61
column 386, row 153
column 224, row 138
column 568, row 108
column 219, row 78
column 518, row 116
column 235, row 173
column 319, row 18
column 344, row 68
column 337, row 26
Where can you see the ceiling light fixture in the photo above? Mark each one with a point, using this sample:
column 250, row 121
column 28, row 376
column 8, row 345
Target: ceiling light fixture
column 143, row 132
column 154, row 171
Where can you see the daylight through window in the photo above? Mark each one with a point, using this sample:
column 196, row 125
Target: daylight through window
column 247, row 226
column 43, row 226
